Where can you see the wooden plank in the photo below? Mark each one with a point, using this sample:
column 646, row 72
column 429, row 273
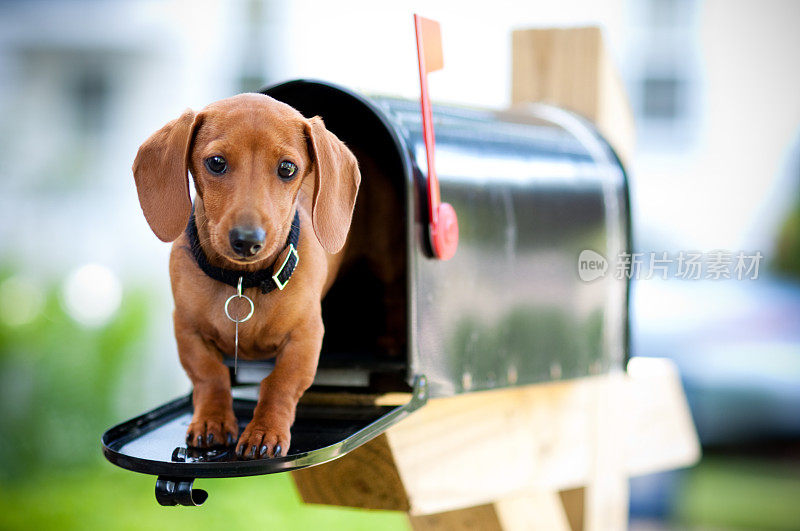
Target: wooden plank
column 658, row 419
column 571, row 68
column 474, row 449
column 354, row 399
column 535, row 510
column 541, row 511
column 366, row 478
column 482, row 518
column 606, row 494
column 480, row 447
column 572, row 501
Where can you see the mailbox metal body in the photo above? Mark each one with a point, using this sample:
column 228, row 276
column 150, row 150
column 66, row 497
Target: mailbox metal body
column 532, row 188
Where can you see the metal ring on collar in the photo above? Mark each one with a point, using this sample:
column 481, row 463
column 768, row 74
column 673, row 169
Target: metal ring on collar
column 237, row 296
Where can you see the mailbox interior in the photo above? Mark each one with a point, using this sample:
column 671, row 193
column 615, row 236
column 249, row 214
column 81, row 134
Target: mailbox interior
column 355, row 356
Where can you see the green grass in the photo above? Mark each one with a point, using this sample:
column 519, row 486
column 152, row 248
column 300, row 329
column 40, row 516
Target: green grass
column 106, row 498
column 741, row 493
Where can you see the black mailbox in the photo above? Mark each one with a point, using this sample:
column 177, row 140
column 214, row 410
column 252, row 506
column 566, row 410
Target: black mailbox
column 532, row 189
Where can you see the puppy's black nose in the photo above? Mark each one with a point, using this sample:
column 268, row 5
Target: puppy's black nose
column 246, row 241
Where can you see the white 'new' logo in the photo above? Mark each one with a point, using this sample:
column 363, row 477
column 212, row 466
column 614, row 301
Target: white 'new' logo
column 591, row 265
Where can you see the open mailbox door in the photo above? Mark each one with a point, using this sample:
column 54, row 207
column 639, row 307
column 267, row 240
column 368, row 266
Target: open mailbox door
column 154, row 443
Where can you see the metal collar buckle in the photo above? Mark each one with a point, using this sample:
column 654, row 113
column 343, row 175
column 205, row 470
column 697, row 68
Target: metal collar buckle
column 275, row 277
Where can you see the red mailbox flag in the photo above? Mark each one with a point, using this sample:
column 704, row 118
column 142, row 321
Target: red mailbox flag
column 443, row 226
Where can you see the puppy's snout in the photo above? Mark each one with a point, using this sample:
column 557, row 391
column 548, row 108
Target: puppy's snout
column 247, row 241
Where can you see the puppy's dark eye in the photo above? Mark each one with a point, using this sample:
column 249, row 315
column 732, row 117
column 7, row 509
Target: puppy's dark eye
column 216, row 165
column 286, row 170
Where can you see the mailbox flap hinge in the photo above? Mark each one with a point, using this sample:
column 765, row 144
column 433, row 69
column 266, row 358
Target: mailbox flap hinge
column 178, row 491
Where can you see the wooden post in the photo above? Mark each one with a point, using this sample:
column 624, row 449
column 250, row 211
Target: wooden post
column 571, row 68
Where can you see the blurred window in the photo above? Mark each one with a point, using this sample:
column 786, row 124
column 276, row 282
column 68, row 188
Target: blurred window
column 662, row 98
column 663, row 78
column 90, row 95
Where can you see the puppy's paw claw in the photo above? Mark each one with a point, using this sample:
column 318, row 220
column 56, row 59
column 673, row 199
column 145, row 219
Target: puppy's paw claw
column 259, row 441
column 212, row 431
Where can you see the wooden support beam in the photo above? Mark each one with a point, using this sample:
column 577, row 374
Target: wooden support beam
column 572, row 501
column 572, row 68
column 366, row 478
column 532, row 511
column 483, row 517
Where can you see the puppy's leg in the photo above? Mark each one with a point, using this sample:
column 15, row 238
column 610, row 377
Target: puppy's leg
column 213, row 422
column 268, row 433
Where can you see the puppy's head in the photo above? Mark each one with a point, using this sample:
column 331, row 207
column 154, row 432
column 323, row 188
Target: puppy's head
column 250, row 156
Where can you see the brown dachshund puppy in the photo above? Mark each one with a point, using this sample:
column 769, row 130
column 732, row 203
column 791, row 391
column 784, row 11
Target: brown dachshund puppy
column 256, row 162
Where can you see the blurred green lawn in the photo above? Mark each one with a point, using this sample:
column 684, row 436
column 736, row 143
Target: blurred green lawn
column 725, row 492
column 107, row 498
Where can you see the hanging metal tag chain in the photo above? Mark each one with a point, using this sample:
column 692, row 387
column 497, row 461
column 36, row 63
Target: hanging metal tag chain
column 238, row 295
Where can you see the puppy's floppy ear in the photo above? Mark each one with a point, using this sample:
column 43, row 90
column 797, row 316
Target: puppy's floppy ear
column 336, row 180
column 161, row 174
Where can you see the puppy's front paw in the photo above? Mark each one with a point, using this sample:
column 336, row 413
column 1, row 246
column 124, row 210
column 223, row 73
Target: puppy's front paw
column 206, row 431
column 264, row 438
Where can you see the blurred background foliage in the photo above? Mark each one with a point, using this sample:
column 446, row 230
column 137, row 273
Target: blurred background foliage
column 60, row 380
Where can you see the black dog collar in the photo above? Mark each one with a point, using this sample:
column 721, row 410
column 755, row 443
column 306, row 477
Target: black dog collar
column 264, row 278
